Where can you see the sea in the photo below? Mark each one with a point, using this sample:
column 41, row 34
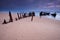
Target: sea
column 37, row 14
column 51, row 17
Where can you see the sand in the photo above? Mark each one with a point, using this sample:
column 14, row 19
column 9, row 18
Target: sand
column 25, row 29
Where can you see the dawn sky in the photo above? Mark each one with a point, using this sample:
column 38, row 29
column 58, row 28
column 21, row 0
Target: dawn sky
column 30, row 5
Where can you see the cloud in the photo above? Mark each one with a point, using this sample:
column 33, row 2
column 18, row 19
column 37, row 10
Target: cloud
column 58, row 6
column 50, row 3
column 52, row 6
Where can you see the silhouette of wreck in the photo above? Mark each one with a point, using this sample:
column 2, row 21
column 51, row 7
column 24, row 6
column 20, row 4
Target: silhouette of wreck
column 18, row 15
column 4, row 22
column 31, row 13
column 32, row 17
column 10, row 20
column 43, row 14
column 16, row 19
column 54, row 14
column 24, row 15
column 10, row 16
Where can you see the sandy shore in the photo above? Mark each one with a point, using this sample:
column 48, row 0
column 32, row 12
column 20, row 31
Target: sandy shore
column 24, row 29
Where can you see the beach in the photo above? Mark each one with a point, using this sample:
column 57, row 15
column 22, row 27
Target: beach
column 25, row 29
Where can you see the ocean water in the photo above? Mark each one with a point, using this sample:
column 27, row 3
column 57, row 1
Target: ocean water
column 37, row 14
column 51, row 17
column 56, row 18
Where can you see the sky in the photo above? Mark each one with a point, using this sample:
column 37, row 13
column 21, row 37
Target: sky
column 30, row 5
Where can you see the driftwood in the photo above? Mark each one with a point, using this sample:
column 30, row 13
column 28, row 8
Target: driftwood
column 43, row 14
column 10, row 16
column 4, row 22
column 54, row 15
